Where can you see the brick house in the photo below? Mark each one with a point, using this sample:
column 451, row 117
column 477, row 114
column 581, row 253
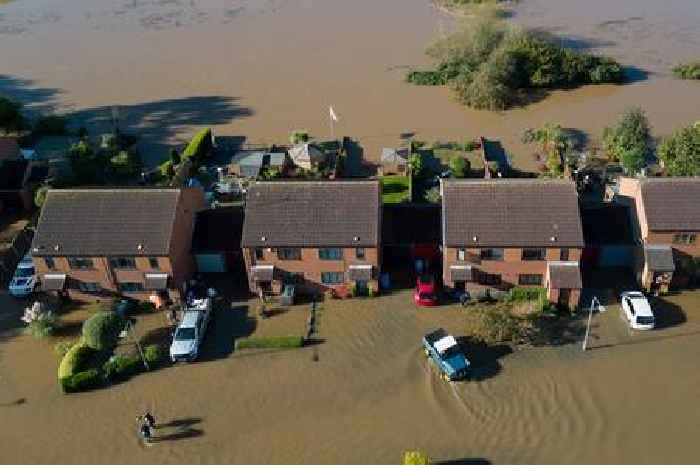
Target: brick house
column 316, row 234
column 666, row 224
column 95, row 243
column 498, row 234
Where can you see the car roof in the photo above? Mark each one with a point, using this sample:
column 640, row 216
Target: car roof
column 189, row 320
column 641, row 305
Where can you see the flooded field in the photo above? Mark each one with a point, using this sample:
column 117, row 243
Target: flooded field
column 259, row 68
column 366, row 394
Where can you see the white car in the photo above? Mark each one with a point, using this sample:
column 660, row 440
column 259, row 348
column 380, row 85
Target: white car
column 24, row 280
column 637, row 310
column 190, row 332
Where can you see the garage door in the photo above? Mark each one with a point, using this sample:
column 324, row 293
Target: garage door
column 211, row 263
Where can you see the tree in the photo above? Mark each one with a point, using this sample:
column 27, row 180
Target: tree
column 11, row 119
column 51, row 125
column 555, row 144
column 299, row 137
column 432, row 195
column 459, row 166
column 101, row 331
column 629, row 140
column 680, row 153
column 416, row 165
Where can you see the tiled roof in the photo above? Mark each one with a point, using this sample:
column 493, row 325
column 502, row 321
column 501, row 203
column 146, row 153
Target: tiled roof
column 311, row 214
column 564, row 275
column 100, row 222
column 671, row 204
column 511, row 213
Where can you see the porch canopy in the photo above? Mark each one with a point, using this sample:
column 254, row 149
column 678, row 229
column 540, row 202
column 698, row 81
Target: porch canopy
column 53, row 282
column 461, row 273
column 564, row 275
column 360, row 272
column 263, row 273
column 659, row 258
column 156, row 281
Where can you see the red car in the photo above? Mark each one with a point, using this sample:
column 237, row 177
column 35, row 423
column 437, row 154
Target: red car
column 426, row 293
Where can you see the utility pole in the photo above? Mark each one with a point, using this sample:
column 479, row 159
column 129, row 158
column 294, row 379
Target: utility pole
column 594, row 304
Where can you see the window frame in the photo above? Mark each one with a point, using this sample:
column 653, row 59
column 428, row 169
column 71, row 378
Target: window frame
column 139, row 287
column 74, row 263
column 335, row 274
column 541, row 254
column 155, row 260
column 488, row 254
column 360, row 253
column 117, row 263
column 50, row 263
column 490, row 279
column 564, row 254
column 330, row 254
column 461, row 255
column 259, row 253
column 289, row 253
column 530, row 282
column 684, row 238
column 89, row 288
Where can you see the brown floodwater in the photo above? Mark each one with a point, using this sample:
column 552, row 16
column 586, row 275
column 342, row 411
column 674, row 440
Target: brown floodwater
column 366, row 394
column 259, row 68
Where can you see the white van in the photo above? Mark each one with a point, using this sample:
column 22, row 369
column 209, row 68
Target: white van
column 190, row 332
column 637, row 310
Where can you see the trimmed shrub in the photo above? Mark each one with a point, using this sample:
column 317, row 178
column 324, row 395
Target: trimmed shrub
column 687, row 70
column 494, row 324
column 82, row 381
column 121, row 367
column 199, row 146
column 154, row 354
column 460, row 166
column 520, row 294
column 101, row 331
column 415, row 458
column 272, row 342
column 75, row 360
column 61, row 348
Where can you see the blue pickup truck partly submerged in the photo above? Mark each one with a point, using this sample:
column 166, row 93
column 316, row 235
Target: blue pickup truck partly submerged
column 445, row 352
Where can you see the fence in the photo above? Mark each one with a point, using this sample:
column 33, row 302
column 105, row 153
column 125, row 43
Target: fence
column 12, row 252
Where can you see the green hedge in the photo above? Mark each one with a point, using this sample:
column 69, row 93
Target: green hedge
column 75, row 360
column 154, row 354
column 272, row 342
column 101, row 331
column 199, row 146
column 121, row 367
column 82, row 381
column 522, row 294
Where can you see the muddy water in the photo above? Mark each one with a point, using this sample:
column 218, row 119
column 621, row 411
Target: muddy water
column 369, row 395
column 258, row 68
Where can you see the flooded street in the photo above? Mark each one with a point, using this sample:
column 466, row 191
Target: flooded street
column 259, row 68
column 370, row 394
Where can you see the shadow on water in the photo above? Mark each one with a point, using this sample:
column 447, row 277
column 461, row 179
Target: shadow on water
column 181, row 422
column 35, row 99
column 485, row 359
column 465, row 461
column 634, row 74
column 227, row 325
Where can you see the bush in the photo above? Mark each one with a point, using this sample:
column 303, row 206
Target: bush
column 101, row 331
column 126, row 163
column 459, row 166
column 522, row 294
column 415, row 458
column 121, row 367
column 199, row 146
column 687, row 70
column 299, row 137
column 494, row 324
column 680, row 152
column 76, row 359
column 272, row 342
column 81, row 381
column 154, row 354
column 52, row 125
column 61, row 348
column 432, row 195
column 629, row 140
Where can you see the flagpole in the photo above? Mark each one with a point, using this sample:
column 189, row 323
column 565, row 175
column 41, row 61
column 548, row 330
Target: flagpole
column 330, row 122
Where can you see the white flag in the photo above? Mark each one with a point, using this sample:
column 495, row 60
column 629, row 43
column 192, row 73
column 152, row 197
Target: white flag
column 334, row 117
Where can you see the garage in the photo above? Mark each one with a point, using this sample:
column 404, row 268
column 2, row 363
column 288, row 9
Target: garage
column 216, row 245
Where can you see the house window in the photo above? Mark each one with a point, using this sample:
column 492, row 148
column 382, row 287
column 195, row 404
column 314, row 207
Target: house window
column 259, row 253
column 488, row 279
column 564, row 255
column 89, row 287
column 80, row 263
column 128, row 263
column 153, row 263
column 360, row 253
column 533, row 254
column 50, row 264
column 684, row 239
column 288, row 253
column 330, row 277
column 130, row 287
column 293, row 278
column 461, row 255
column 492, row 254
column 330, row 254
column 530, row 279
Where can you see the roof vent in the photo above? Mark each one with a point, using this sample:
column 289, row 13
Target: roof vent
column 56, row 247
column 263, row 238
column 140, row 247
column 356, row 238
column 35, row 249
column 475, row 239
column 553, row 238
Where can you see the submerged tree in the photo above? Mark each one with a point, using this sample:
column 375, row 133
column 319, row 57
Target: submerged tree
column 629, row 140
column 680, row 153
column 555, row 144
